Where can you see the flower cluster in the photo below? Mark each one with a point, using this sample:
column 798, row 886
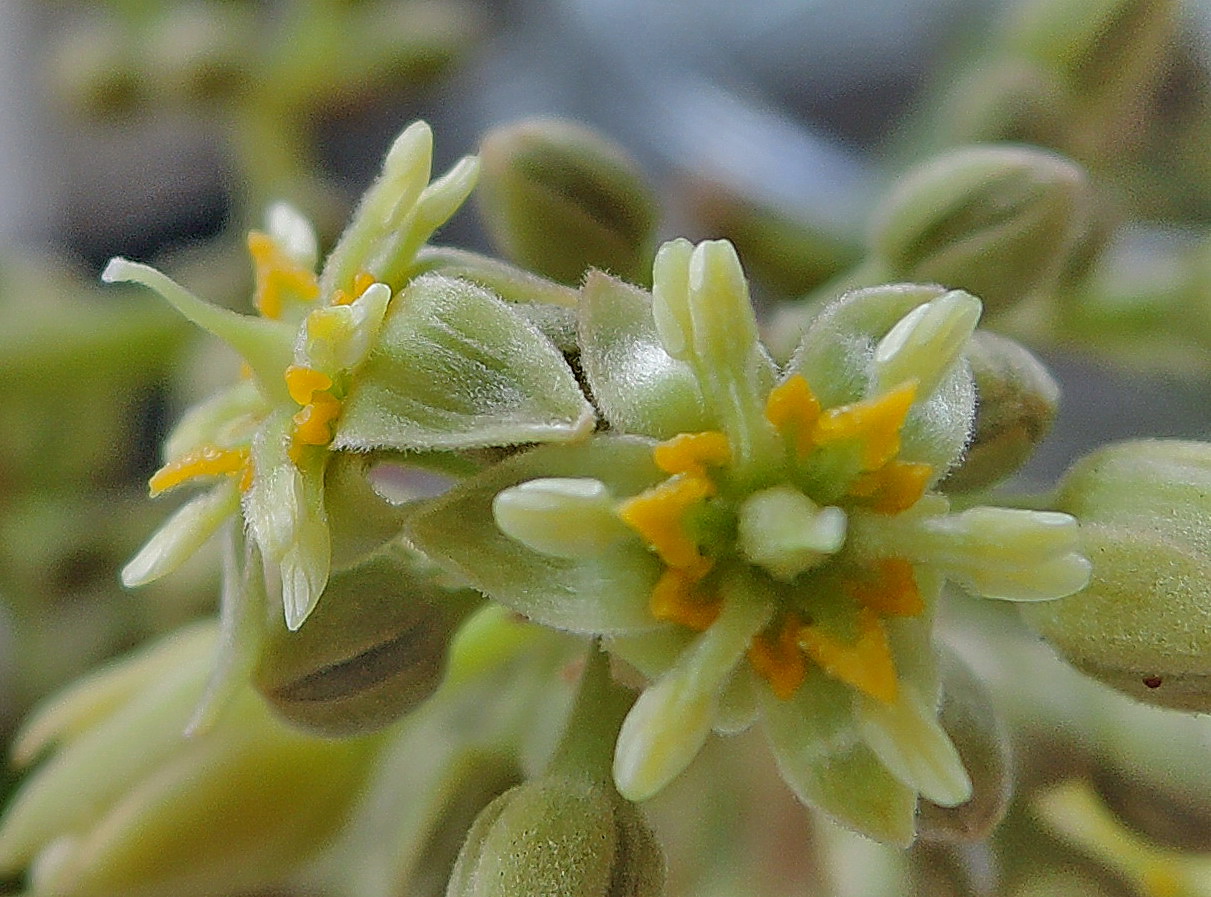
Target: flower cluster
column 762, row 542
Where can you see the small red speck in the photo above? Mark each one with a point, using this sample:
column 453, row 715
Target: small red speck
column 1153, row 681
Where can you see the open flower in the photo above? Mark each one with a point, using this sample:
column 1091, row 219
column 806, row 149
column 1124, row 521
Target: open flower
column 763, row 543
column 362, row 356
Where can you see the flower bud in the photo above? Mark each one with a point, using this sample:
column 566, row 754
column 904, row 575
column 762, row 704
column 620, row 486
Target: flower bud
column 1017, row 401
column 561, row 835
column 1143, row 624
column 558, row 198
column 1107, row 54
column 373, row 649
column 997, row 221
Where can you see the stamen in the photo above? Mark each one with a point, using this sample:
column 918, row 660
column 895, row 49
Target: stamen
column 313, row 422
column 876, row 421
column 892, row 592
column 867, row 664
column 209, row 460
column 793, row 410
column 362, row 281
column 778, row 658
column 675, row 599
column 893, row 488
column 690, row 453
column 304, row 382
column 278, row 275
column 658, row 515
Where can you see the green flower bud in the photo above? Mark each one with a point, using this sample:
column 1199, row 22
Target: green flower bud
column 569, row 833
column 997, row 221
column 1107, row 54
column 1017, row 401
column 559, row 199
column 1143, row 624
column 373, row 649
column 559, row 836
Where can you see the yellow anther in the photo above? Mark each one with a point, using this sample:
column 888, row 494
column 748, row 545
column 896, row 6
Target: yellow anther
column 777, row 657
column 278, row 276
column 312, row 424
column 658, row 515
column 690, row 453
column 207, row 461
column 793, row 409
column 675, row 599
column 361, row 282
column 893, row 488
column 867, row 664
column 303, row 383
column 876, row 422
column 892, row 592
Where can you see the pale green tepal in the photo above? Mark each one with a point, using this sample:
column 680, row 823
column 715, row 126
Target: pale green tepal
column 362, row 356
column 762, row 542
column 130, row 805
column 1143, row 625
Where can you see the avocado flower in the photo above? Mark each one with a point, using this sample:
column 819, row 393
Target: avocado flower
column 364, row 355
column 762, row 544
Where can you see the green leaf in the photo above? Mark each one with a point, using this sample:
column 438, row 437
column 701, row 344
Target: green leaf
column 607, row 593
column 455, row 367
column 639, row 387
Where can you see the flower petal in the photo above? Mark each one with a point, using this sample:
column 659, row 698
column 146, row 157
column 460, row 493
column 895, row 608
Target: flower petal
column 672, row 718
column 455, row 367
column 605, row 594
column 639, row 387
column 825, row 760
column 182, row 535
column 908, row 739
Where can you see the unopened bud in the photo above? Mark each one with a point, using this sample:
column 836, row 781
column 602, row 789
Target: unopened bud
column 559, row 199
column 997, row 221
column 1017, row 402
column 1143, row 624
column 560, row 835
column 374, row 648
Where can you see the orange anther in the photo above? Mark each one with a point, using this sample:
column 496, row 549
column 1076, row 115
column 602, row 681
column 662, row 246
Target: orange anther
column 893, row 488
column 892, row 592
column 362, row 281
column 690, row 453
column 303, row 383
column 209, row 460
column 793, row 409
column 867, row 664
column 876, row 422
column 675, row 599
column 278, row 276
column 312, row 424
column 778, row 659
column 658, row 515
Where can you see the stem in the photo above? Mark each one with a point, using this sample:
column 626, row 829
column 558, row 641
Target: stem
column 601, row 704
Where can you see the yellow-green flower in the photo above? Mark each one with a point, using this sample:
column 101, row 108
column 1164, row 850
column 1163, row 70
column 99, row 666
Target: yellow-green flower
column 362, row 356
column 763, row 543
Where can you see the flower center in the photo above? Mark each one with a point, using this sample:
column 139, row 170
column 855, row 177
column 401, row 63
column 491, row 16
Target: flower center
column 793, row 529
